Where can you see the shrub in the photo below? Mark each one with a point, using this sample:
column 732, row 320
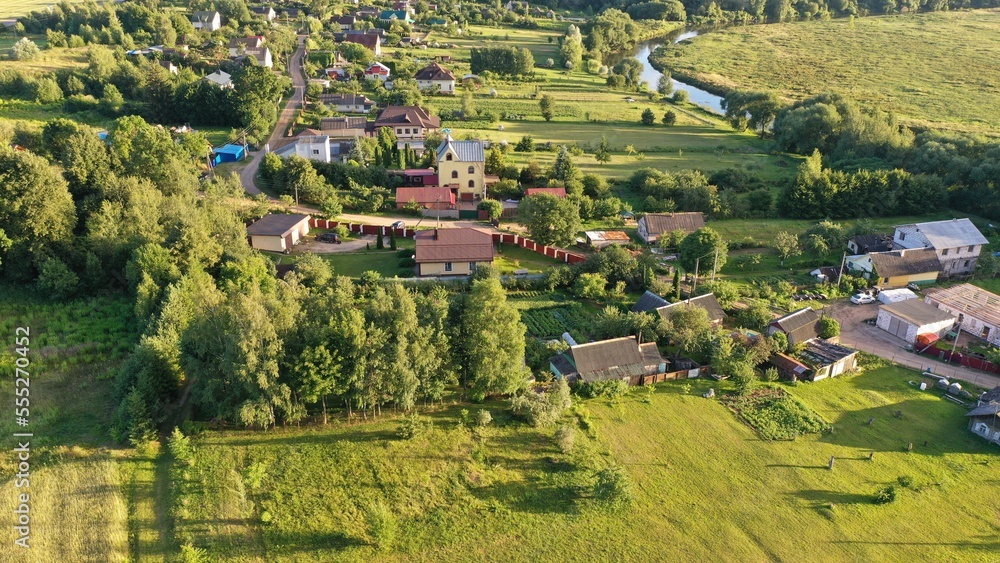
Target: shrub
column 828, row 327
column 566, row 438
column 543, row 409
column 405, row 253
column 905, row 481
column 483, row 418
column 613, row 487
column 381, row 525
column 24, row 50
column 407, row 262
column 612, row 389
column 885, row 495
column 413, row 426
column 180, row 447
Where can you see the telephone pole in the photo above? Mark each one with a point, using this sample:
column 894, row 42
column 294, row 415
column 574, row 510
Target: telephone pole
column 716, row 263
column 694, row 285
column 841, row 274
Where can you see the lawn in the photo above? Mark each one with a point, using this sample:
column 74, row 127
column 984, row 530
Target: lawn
column 701, row 479
column 15, row 8
column 937, row 69
column 511, row 257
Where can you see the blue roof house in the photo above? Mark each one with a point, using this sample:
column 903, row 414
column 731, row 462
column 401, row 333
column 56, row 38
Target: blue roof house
column 228, row 153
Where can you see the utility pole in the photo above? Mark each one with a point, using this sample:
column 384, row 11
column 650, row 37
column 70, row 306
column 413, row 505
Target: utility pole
column 296, row 194
column 841, row 274
column 716, row 263
column 957, row 334
column 695, row 284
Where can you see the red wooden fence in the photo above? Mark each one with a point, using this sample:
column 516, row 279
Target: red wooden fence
column 506, row 238
column 962, row 359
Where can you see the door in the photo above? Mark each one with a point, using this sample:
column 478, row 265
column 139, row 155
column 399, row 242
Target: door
column 893, row 325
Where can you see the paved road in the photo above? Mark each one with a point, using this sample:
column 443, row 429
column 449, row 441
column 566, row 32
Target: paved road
column 248, row 173
column 854, row 332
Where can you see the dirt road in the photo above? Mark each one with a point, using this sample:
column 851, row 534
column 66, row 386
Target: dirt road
column 248, row 173
column 854, row 332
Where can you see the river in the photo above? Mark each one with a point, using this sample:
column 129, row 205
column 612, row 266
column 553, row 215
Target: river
column 651, row 76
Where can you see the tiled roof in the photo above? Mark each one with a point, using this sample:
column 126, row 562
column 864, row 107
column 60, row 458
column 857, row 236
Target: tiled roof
column 453, row 245
column 369, row 40
column 945, row 234
column 659, row 223
column 916, row 312
column 431, row 194
column 905, row 262
column 434, row 71
column 464, row 151
column 349, row 99
column 342, row 123
column 407, row 115
column 558, row 192
column 275, row 224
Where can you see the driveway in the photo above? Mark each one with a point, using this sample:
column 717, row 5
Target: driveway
column 332, row 248
column 249, row 173
column 854, row 332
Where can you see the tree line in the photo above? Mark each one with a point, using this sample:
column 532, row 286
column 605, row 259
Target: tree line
column 504, row 61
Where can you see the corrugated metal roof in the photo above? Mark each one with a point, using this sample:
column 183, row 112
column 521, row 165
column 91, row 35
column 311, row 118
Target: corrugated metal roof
column 464, row 151
column 916, row 312
column 558, row 192
column 659, row 223
column 606, row 359
column 971, row 300
column 905, row 262
column 985, row 410
column 425, row 195
column 799, row 326
column 607, row 235
column 945, row 234
column 649, row 302
column 708, row 302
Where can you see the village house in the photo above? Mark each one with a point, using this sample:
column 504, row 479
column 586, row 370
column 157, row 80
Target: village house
column 418, row 177
column 311, row 146
column 344, row 127
column 410, row 123
column 206, row 21
column 602, row 239
column 984, row 419
column 799, row 326
column 427, row 197
column 395, row 16
column 452, row 252
column 370, row 40
column 348, row 103
column 648, row 302
column 278, row 232
column 911, row 318
column 252, row 46
column 377, row 71
column 957, row 243
column 267, row 12
column 220, row 79
column 826, row 359
column 435, row 77
column 652, row 226
column 708, row 302
column 618, row 358
column 169, row 66
column 463, row 164
column 347, row 22
column 977, row 310
column 896, row 268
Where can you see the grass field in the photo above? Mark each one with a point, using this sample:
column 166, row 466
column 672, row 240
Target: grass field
column 938, row 69
column 511, row 258
column 702, row 480
column 14, row 8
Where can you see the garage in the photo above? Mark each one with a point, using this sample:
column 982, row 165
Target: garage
column 909, row 318
column 278, row 232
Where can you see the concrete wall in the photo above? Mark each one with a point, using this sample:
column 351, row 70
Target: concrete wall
column 969, row 322
column 273, row 244
column 939, row 328
column 954, row 260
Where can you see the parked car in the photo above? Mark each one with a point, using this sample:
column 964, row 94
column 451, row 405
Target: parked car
column 328, row 237
column 399, row 225
column 913, row 287
column 862, row 299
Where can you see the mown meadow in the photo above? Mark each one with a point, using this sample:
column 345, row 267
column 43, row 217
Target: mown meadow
column 934, row 69
column 704, row 484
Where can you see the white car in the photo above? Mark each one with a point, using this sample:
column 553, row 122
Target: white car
column 862, row 299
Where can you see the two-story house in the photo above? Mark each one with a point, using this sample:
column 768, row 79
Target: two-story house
column 307, row 145
column 957, row 243
column 410, row 123
column 206, row 21
column 435, row 77
column 463, row 163
column 378, row 71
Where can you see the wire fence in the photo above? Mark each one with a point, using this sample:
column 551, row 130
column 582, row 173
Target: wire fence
column 930, row 364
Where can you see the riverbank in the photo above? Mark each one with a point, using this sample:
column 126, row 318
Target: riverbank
column 935, row 70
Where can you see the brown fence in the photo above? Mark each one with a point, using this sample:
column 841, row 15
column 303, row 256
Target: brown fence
column 669, row 376
column 506, row 238
column 962, row 359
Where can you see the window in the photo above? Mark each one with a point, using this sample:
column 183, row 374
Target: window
column 966, row 263
column 399, row 130
column 472, row 183
column 448, row 157
column 985, row 335
column 454, row 173
column 472, row 170
column 972, row 248
column 447, row 266
column 407, row 131
column 886, row 280
column 472, row 268
column 315, row 151
column 902, row 236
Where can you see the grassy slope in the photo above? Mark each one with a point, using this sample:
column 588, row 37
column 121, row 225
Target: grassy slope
column 81, row 510
column 703, row 482
column 938, row 69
